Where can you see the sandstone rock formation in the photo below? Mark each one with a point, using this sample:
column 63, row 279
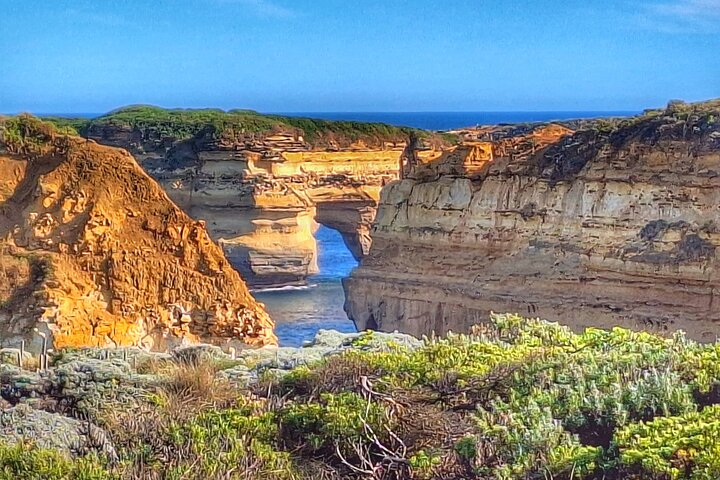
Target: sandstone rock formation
column 264, row 214
column 94, row 253
column 614, row 225
column 262, row 194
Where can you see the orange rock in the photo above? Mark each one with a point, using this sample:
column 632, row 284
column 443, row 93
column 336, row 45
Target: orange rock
column 107, row 253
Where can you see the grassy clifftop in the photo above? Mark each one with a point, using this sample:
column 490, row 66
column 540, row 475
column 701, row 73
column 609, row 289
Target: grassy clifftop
column 30, row 135
column 183, row 124
column 517, row 399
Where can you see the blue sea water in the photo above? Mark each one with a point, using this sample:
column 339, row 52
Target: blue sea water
column 299, row 312
column 453, row 120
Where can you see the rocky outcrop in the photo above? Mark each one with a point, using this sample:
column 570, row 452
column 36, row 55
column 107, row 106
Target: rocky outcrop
column 53, row 431
column 603, row 227
column 94, row 253
column 262, row 194
column 264, row 213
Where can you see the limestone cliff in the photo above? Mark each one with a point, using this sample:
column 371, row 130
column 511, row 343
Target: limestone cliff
column 613, row 225
column 262, row 189
column 93, row 252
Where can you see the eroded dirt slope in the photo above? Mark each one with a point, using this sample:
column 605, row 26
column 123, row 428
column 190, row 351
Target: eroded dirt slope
column 93, row 252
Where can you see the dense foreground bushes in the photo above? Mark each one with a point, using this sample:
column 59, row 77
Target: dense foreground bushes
column 516, row 399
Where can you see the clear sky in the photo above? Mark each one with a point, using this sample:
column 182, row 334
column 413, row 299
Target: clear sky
column 357, row 55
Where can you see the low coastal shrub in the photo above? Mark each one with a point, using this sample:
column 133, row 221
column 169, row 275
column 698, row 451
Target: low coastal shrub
column 515, row 399
column 27, row 462
column 685, row 446
column 543, row 401
column 216, row 443
column 28, row 135
column 334, row 421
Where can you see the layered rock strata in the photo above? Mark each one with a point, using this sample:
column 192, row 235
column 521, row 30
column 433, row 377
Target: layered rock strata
column 265, row 213
column 262, row 196
column 601, row 227
column 94, row 253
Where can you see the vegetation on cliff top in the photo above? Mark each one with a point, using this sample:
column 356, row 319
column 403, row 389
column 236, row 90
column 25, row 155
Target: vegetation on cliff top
column 675, row 109
column 516, row 399
column 183, row 124
column 28, row 135
column 696, row 124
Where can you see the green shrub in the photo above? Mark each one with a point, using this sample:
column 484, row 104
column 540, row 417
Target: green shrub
column 544, row 400
column 234, row 440
column 686, row 446
column 336, row 419
column 424, row 463
column 516, row 399
column 27, row 134
column 26, row 462
column 519, row 441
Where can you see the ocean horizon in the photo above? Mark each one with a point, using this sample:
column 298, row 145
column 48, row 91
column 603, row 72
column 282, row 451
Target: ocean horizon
column 453, row 120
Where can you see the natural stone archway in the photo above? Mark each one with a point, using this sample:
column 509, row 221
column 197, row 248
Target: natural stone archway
column 277, row 246
column 353, row 219
column 274, row 244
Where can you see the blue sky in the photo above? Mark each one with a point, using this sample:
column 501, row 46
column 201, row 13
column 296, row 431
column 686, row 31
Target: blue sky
column 361, row 55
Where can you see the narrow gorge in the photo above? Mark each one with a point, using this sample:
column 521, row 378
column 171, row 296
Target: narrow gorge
column 614, row 224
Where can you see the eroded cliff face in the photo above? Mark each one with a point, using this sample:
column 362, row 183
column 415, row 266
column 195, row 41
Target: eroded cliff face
column 263, row 196
column 94, row 253
column 594, row 228
column 264, row 213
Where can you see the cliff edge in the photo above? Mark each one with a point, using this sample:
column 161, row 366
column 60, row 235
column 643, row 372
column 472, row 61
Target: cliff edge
column 617, row 224
column 263, row 183
column 94, row 253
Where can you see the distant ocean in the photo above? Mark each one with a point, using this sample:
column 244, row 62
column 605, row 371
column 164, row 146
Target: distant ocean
column 429, row 120
column 299, row 312
column 452, row 120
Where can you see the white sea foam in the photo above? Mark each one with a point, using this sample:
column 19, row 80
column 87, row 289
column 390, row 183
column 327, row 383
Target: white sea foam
column 286, row 288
